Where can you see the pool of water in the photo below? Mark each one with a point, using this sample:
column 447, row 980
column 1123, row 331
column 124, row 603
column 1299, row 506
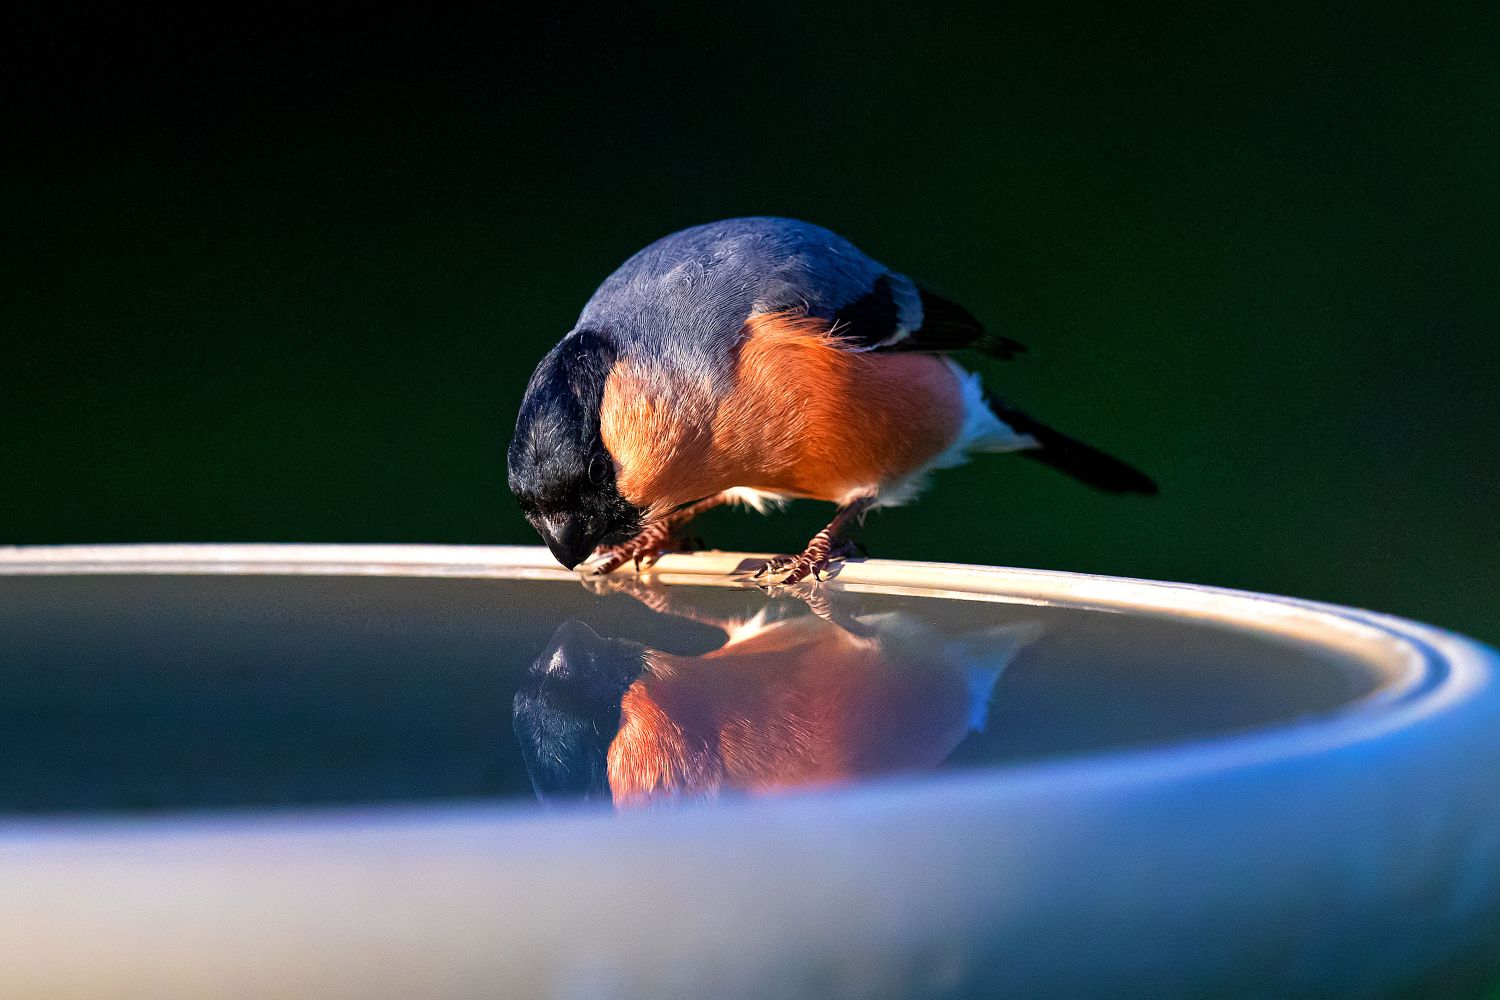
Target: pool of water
column 183, row 692
column 346, row 770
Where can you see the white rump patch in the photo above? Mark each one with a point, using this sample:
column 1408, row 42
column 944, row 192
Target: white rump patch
column 749, row 628
column 981, row 431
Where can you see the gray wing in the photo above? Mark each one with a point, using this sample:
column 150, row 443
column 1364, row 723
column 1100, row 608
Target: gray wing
column 703, row 283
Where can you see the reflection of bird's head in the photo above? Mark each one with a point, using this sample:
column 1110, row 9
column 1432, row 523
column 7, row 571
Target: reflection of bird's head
column 568, row 710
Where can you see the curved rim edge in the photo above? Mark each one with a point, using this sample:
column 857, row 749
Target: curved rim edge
column 1429, row 671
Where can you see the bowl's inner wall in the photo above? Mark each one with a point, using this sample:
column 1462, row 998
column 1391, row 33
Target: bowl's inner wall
column 145, row 692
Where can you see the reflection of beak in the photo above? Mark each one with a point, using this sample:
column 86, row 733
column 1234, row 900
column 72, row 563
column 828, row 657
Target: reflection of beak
column 573, row 646
column 569, row 538
column 566, row 713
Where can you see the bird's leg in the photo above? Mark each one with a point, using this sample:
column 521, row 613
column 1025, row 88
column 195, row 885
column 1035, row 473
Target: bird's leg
column 826, row 546
column 663, row 600
column 655, row 539
column 821, row 603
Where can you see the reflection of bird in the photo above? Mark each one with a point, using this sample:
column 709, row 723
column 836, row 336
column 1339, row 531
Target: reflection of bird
column 782, row 704
column 758, row 360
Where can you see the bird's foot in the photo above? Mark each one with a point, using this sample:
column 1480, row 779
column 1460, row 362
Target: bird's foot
column 658, row 597
column 818, row 558
column 653, row 542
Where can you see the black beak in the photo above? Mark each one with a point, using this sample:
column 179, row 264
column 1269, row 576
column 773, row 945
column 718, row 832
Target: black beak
column 570, row 538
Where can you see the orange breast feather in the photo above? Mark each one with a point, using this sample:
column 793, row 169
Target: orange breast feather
column 803, row 703
column 801, row 417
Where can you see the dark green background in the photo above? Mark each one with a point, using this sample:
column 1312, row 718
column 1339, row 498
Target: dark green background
column 285, row 281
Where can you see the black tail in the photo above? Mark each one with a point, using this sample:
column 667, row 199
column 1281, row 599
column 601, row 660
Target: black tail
column 1083, row 462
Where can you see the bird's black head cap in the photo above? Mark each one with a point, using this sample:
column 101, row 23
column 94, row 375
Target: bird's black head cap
column 560, row 472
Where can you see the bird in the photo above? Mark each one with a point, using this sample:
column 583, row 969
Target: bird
column 786, row 701
column 754, row 361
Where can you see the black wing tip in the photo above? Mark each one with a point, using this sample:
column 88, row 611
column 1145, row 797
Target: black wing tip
column 997, row 346
column 946, row 325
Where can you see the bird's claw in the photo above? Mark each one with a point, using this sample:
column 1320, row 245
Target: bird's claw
column 615, row 556
column 644, row 550
column 817, row 559
column 796, row 568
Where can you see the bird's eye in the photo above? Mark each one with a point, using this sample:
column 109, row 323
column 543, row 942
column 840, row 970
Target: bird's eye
column 598, row 470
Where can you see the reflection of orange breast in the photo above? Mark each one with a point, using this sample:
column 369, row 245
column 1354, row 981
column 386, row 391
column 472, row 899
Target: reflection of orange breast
column 804, row 417
column 801, row 703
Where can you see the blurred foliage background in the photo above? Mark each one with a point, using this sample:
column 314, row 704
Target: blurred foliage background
column 286, row 280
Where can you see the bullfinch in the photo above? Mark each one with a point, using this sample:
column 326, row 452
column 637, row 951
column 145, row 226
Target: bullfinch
column 758, row 360
column 784, row 703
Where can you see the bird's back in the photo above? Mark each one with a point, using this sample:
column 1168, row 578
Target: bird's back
column 698, row 286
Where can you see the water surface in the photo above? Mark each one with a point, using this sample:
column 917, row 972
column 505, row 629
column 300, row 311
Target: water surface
column 146, row 692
